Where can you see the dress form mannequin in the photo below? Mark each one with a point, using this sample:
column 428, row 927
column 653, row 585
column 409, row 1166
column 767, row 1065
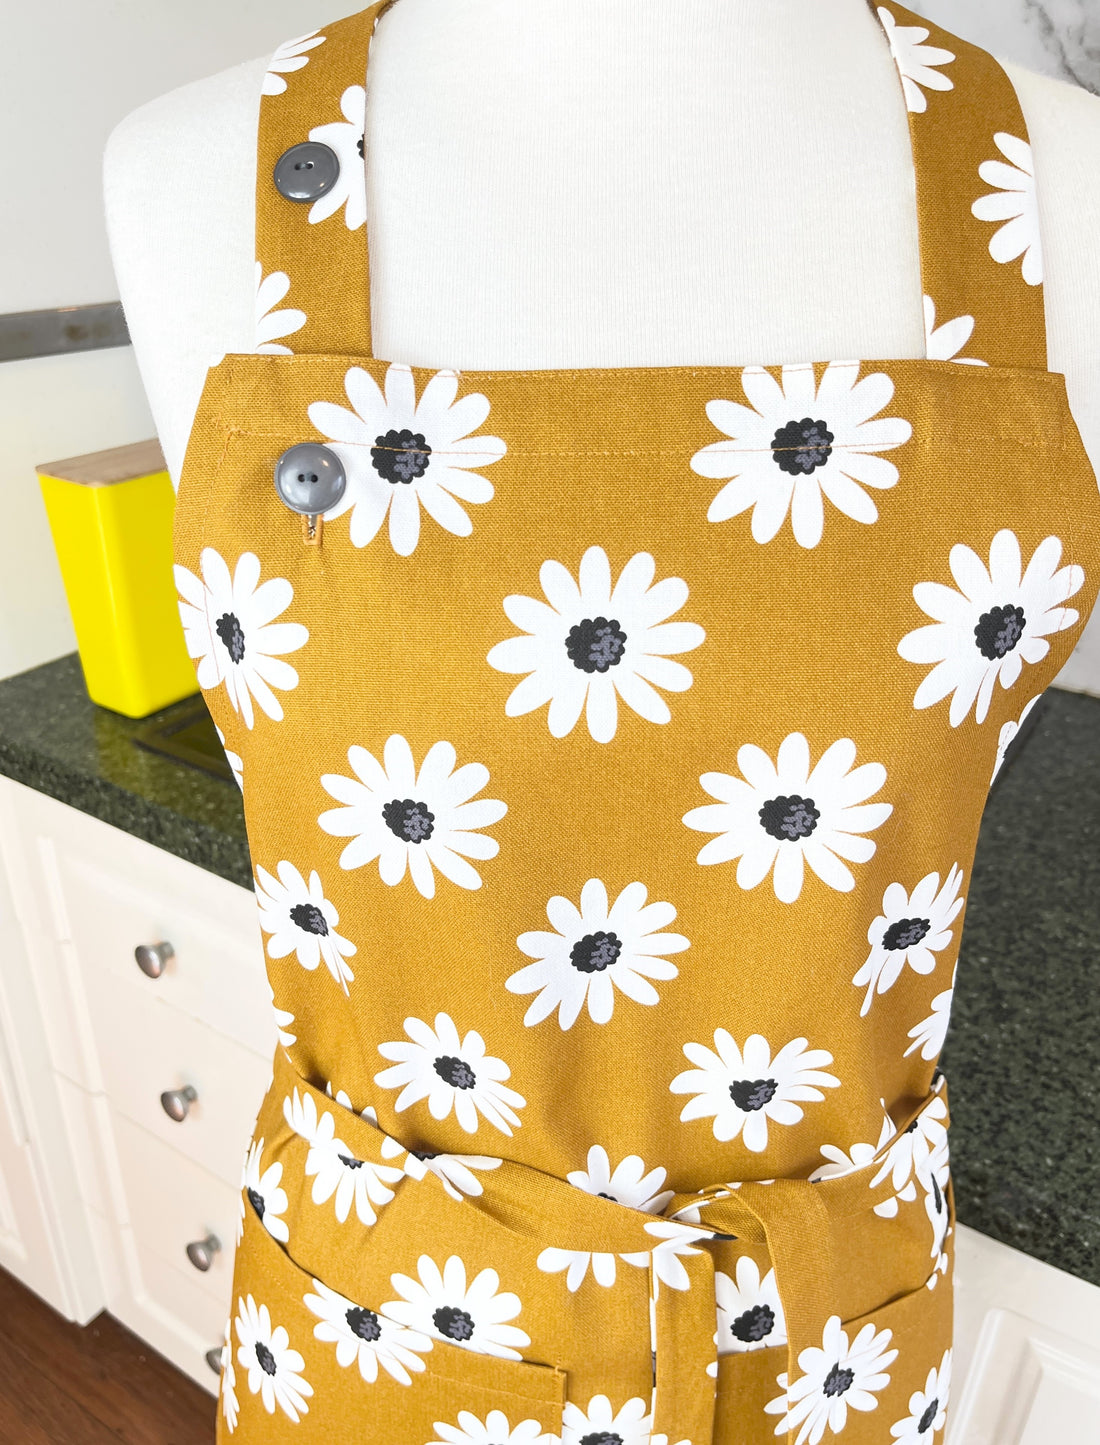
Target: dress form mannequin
column 561, row 184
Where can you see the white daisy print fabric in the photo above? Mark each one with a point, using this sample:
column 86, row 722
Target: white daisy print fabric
column 419, row 820
column 494, row 1430
column 750, row 1312
column 741, row 1091
column 345, row 137
column 596, row 949
column 1014, row 205
column 456, row 1172
column 944, row 342
column 836, row 1378
column 231, row 631
column 401, row 455
column 629, row 1425
column 441, row 1304
column 227, row 1388
column 799, row 444
column 628, row 1183
column 910, row 930
column 272, row 1367
column 365, row 1338
column 232, row 758
column 263, row 1190
column 929, row 1034
column 300, row 920
column 997, row 620
column 779, row 817
column 927, row 1408
column 288, row 57
column 1009, row 731
column 451, row 1073
column 917, row 62
column 336, row 1173
column 273, row 322
column 590, row 644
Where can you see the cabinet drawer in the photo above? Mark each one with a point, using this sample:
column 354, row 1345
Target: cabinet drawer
column 172, row 1201
column 146, row 1048
column 106, row 892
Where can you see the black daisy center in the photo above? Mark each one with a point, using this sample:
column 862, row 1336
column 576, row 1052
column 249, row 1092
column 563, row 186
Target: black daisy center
column 400, row 456
column 408, row 820
column 999, row 630
column 800, row 447
column 453, row 1322
column 595, row 644
column 228, row 628
column 423, row 1154
column 602, row 1194
column 309, row 919
column 925, row 1421
column 789, row 819
column 349, row 1161
column 602, row 1437
column 595, row 952
column 364, row 1323
column 266, row 1358
column 937, row 1197
column 906, row 933
column 752, row 1094
column 359, row 145
column 455, row 1072
column 257, row 1201
column 838, row 1380
column 755, row 1324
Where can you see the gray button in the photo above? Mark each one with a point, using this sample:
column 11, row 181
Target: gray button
column 310, row 478
column 306, row 171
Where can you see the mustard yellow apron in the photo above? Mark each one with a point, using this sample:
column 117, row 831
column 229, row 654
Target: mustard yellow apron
column 613, row 749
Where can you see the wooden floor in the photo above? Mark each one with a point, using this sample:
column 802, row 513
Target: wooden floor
column 63, row 1384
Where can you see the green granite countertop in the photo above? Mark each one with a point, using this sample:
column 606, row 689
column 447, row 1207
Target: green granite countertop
column 1022, row 1055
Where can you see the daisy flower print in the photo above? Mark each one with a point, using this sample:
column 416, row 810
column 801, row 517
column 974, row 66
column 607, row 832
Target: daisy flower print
column 451, row 1073
column 1014, row 205
column 1009, row 731
column 274, row 1370
column 911, row 929
column 778, row 817
column 741, row 1091
column 263, row 1190
column 401, row 455
column 288, row 57
column 594, row 950
column 929, row 1034
column 441, row 1304
column 591, row 644
column 600, row 1422
column 228, row 1385
column 419, row 820
column 750, row 1312
column 230, row 626
column 797, row 445
column 836, row 1378
column 273, row 323
column 495, row 1430
column 365, row 1338
column 301, row 921
column 918, row 64
column 944, row 342
column 927, row 1408
column 336, row 1173
column 345, row 137
column 998, row 620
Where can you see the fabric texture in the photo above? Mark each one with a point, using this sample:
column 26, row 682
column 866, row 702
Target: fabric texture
column 612, row 757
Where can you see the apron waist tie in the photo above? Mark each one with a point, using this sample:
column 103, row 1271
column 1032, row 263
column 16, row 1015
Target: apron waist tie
column 796, row 1219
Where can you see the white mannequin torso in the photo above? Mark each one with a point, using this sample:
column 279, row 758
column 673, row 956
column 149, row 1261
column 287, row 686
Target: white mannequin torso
column 561, row 184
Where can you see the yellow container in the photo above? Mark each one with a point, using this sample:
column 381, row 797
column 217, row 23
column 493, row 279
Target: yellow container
column 110, row 514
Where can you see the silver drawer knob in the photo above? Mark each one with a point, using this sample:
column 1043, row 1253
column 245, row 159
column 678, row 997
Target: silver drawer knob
column 176, row 1102
column 214, row 1359
column 201, row 1252
column 153, row 958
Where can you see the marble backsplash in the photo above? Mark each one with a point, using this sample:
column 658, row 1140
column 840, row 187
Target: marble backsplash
column 1056, row 37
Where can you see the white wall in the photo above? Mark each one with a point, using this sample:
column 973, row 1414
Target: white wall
column 69, row 71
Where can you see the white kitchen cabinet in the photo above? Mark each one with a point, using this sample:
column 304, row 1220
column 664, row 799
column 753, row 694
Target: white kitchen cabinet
column 101, row 1193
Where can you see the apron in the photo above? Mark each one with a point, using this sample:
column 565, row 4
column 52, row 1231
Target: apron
column 612, row 755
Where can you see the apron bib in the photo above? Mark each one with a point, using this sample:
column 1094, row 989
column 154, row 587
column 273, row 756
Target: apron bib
column 613, row 747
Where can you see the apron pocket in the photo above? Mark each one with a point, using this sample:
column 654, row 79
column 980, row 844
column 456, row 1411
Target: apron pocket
column 856, row 1359
column 299, row 1348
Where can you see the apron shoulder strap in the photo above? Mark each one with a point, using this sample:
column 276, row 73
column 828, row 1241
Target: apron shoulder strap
column 981, row 259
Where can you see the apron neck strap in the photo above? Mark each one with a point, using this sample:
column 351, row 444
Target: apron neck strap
column 975, row 195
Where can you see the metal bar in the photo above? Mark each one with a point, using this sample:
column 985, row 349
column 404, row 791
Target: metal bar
column 62, row 328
